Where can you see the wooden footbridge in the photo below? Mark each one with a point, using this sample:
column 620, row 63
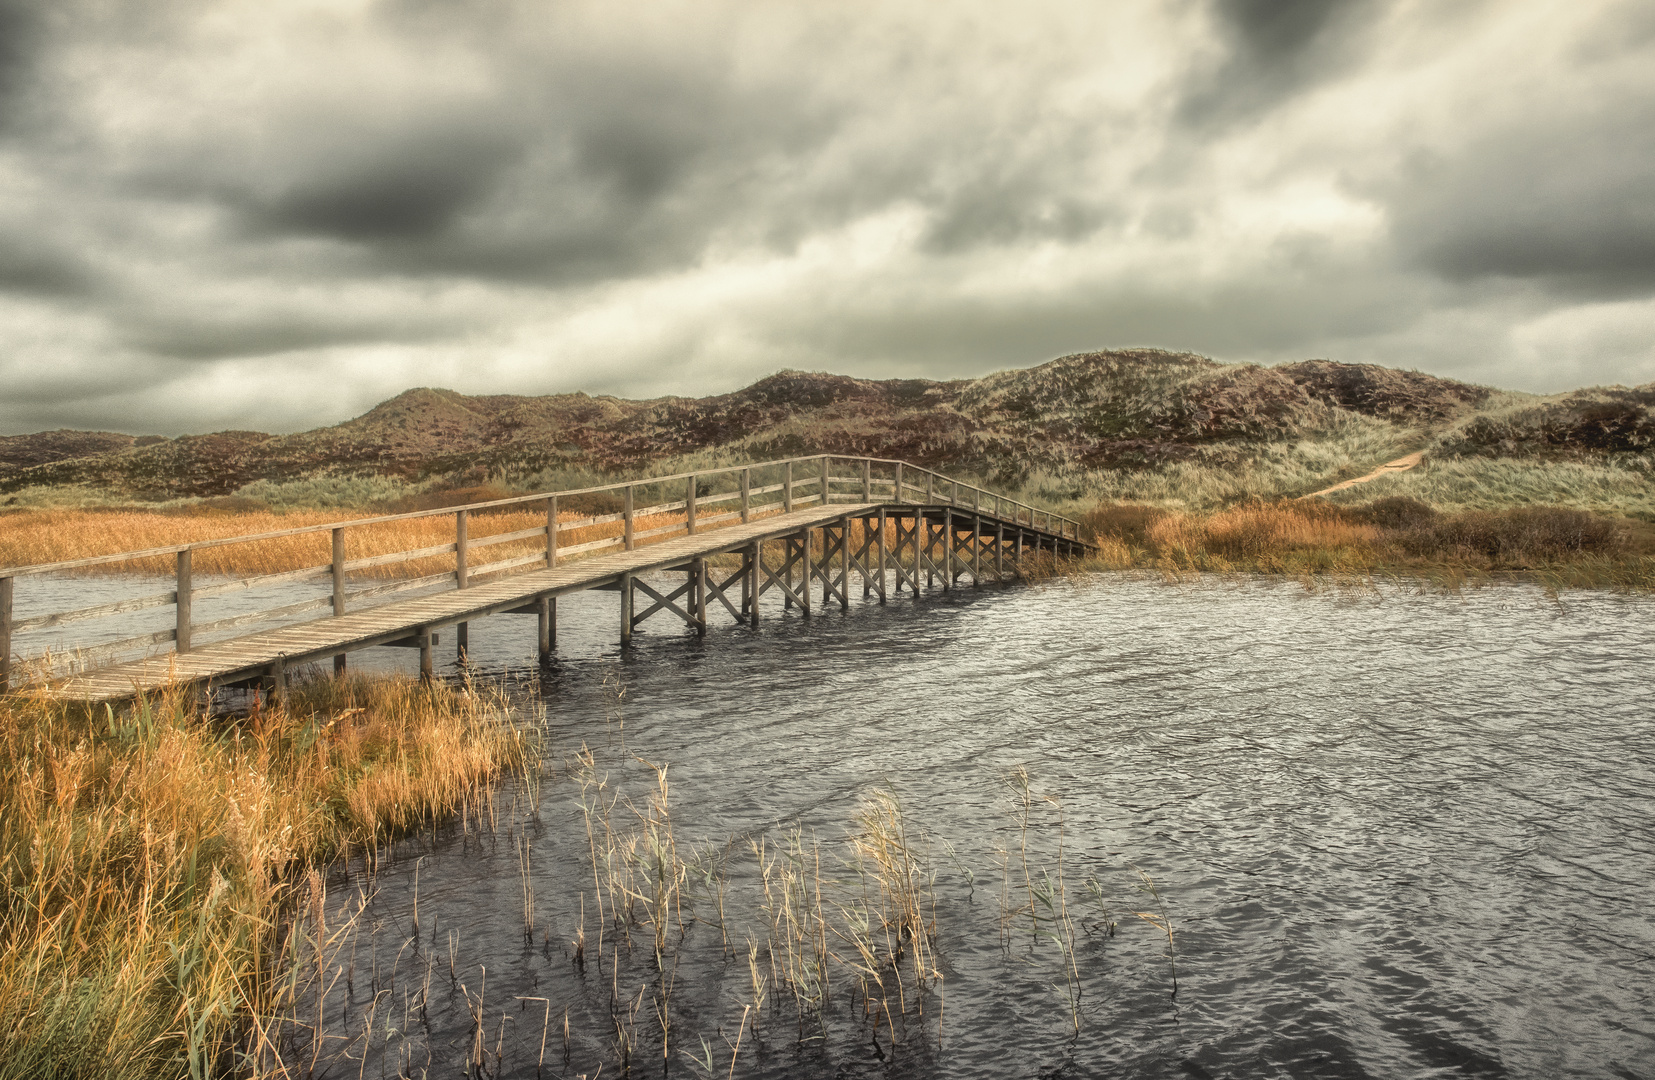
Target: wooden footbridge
column 734, row 534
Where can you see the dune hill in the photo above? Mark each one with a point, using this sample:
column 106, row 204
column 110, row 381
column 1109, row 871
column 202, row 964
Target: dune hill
column 1083, row 424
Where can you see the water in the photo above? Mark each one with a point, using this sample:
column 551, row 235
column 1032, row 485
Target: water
column 1396, row 834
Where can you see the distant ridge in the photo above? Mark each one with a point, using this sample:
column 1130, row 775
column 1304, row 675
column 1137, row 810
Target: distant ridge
column 1125, row 409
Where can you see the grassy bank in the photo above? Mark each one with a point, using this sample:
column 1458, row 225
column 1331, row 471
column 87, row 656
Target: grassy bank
column 1555, row 546
column 149, row 853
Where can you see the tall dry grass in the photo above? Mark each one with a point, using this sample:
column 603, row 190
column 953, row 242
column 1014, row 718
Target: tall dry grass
column 1554, row 545
column 149, row 853
column 32, row 537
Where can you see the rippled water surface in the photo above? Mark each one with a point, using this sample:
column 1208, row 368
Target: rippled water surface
column 1396, row 835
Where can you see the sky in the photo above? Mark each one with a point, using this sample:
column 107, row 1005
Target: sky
column 274, row 214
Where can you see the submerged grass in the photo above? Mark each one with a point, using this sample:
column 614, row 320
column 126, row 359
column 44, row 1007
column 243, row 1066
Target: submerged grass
column 150, row 852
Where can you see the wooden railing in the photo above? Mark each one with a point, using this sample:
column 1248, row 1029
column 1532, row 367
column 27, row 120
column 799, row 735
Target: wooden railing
column 793, row 483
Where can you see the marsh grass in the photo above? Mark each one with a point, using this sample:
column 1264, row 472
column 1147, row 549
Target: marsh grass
column 1558, row 547
column 151, row 854
column 33, row 537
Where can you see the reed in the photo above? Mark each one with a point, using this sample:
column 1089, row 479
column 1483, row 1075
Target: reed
column 1555, row 546
column 152, row 853
column 44, row 536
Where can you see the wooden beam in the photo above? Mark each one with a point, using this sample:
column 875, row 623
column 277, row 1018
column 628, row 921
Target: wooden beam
column 181, row 635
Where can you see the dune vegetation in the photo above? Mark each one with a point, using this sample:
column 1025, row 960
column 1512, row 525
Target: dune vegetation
column 1393, row 537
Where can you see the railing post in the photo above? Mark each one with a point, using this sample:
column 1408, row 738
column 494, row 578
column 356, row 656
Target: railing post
column 826, row 485
column 181, row 638
column 896, row 486
column 746, row 497
column 689, row 507
column 626, row 516
column 338, row 590
column 930, row 486
column 787, row 488
column 867, row 481
column 551, row 532
column 5, row 633
column 338, row 572
column 461, row 576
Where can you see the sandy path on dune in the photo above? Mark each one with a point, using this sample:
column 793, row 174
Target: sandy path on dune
column 1401, row 464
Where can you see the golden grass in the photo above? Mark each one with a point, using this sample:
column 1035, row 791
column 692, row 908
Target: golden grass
column 45, row 536
column 149, row 854
column 1556, row 546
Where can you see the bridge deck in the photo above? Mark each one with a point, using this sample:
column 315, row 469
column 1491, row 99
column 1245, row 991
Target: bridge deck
column 251, row 655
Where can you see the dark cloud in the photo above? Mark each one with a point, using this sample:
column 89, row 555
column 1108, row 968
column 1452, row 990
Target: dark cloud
column 32, row 266
column 22, row 31
column 1569, row 200
column 403, row 189
column 1274, row 49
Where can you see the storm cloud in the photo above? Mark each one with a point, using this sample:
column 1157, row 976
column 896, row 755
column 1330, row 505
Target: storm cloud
column 274, row 215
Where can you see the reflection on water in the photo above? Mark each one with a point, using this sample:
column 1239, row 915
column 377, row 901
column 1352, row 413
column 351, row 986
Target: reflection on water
column 1396, row 835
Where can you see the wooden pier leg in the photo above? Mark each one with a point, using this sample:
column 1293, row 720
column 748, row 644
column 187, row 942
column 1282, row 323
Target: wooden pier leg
column 626, row 610
column 999, row 552
column 276, row 676
column 338, row 663
column 867, row 556
column 805, row 573
column 425, row 670
column 698, row 596
column 930, row 563
column 462, row 640
column 754, row 554
column 546, row 617
column 844, row 563
column 881, row 528
column 976, row 551
column 947, row 550
column 790, row 551
column 1017, row 554
column 896, row 549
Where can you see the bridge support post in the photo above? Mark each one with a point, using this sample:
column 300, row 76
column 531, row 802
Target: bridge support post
column 805, row 579
column 977, row 548
column 462, row 641
column 276, row 679
column 751, row 587
column 546, row 617
column 999, row 553
column 881, row 554
column 844, row 563
column 698, row 595
column 947, row 550
column 626, row 610
column 425, row 669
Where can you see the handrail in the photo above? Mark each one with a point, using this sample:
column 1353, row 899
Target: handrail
column 866, row 488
